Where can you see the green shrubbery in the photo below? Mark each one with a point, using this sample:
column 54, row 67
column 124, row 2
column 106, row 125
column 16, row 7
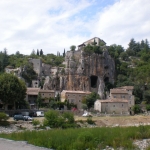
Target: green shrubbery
column 56, row 120
column 83, row 138
column 3, row 119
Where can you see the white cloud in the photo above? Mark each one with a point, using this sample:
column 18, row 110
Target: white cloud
column 32, row 24
column 53, row 25
column 122, row 21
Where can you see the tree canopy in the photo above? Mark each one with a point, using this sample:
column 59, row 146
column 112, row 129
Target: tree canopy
column 12, row 90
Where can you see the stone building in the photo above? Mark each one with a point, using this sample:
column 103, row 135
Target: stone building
column 37, row 65
column 35, row 83
column 123, row 93
column 120, row 101
column 46, row 95
column 74, row 97
column 98, row 42
column 32, row 95
column 115, row 106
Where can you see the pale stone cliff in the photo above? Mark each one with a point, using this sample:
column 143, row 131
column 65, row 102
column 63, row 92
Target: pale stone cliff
column 83, row 72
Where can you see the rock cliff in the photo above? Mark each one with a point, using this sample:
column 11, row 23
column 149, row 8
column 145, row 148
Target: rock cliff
column 83, row 72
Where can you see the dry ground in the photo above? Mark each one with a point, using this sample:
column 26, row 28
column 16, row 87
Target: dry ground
column 113, row 121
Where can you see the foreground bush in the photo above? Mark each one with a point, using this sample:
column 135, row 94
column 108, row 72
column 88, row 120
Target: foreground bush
column 3, row 119
column 56, row 120
column 83, row 138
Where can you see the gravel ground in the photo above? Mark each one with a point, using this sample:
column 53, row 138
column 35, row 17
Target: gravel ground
column 18, row 145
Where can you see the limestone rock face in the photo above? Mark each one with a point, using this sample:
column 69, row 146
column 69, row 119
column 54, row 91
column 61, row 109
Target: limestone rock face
column 84, row 72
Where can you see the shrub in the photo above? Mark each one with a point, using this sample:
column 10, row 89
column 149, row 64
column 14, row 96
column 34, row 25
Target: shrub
column 136, row 109
column 90, row 121
column 56, row 120
column 3, row 116
column 35, row 122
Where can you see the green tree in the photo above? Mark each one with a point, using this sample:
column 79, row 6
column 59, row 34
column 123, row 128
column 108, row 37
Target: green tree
column 72, row 48
column 12, row 90
column 37, row 53
column 41, row 52
column 91, row 98
column 39, row 100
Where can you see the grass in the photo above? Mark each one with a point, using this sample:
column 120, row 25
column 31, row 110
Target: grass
column 83, row 138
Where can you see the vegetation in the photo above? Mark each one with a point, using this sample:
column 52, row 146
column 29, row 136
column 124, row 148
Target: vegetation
column 83, row 138
column 89, row 100
column 3, row 119
column 12, row 90
column 56, row 120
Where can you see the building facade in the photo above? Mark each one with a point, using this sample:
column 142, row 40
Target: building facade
column 120, row 101
column 74, row 97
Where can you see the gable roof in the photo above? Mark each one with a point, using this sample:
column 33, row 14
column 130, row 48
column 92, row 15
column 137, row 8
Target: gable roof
column 118, row 91
column 113, row 101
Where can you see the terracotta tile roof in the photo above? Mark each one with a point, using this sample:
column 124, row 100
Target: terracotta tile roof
column 118, row 91
column 32, row 91
column 127, row 87
column 76, row 92
column 46, row 91
column 113, row 101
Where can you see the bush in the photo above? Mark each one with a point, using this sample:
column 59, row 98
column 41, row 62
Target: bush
column 56, row 120
column 136, row 109
column 35, row 122
column 3, row 116
column 90, row 121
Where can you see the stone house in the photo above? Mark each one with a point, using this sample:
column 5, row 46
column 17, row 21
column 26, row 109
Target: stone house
column 115, row 106
column 74, row 97
column 37, row 65
column 32, row 95
column 98, row 41
column 35, row 83
column 46, row 94
column 120, row 101
column 123, row 93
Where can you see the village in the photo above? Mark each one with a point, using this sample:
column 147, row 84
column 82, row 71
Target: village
column 78, row 81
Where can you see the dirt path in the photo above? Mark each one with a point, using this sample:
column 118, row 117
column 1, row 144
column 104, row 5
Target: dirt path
column 18, row 145
column 120, row 120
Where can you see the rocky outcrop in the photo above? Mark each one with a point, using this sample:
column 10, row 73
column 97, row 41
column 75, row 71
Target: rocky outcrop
column 84, row 72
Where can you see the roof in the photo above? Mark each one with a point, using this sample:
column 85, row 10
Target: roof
column 46, row 91
column 113, row 101
column 127, row 87
column 94, row 38
column 76, row 92
column 32, row 91
column 118, row 91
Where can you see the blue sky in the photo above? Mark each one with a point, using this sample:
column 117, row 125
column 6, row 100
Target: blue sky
column 53, row 25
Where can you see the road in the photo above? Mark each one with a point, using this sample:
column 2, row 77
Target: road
column 18, row 145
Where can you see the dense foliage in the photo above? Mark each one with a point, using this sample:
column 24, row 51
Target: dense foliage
column 83, row 138
column 12, row 90
column 56, row 120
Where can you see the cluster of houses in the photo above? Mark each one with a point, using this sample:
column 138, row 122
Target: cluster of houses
column 120, row 100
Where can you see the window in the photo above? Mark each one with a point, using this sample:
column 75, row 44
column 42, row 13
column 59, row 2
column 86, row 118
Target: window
column 122, row 105
column 114, row 105
column 114, row 96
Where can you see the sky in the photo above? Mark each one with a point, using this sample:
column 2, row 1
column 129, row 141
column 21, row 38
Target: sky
column 55, row 25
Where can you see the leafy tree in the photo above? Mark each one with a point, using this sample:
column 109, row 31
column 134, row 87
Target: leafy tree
column 124, row 56
column 39, row 100
column 90, row 99
column 12, row 90
column 72, row 48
